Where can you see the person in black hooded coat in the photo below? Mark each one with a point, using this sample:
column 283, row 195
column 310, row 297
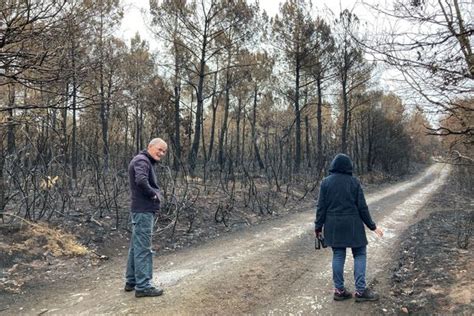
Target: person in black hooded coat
column 342, row 211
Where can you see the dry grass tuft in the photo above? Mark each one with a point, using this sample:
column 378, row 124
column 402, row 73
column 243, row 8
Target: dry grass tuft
column 37, row 236
column 57, row 242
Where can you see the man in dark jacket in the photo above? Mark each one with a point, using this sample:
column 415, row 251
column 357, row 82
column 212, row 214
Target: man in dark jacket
column 342, row 212
column 146, row 198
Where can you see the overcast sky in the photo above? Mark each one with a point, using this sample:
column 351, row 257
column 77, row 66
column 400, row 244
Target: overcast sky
column 136, row 11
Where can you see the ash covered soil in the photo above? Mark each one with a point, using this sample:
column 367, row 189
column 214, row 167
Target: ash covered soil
column 432, row 269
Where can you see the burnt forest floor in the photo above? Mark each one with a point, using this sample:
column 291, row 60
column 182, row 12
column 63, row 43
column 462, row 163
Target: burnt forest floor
column 431, row 273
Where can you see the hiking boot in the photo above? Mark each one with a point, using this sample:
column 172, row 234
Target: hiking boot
column 340, row 295
column 365, row 296
column 152, row 291
column 129, row 287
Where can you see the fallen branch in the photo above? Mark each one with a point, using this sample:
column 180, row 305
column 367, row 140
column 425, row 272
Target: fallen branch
column 102, row 257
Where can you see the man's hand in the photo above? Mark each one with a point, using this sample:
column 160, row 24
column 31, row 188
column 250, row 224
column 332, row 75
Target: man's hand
column 158, row 197
column 378, row 232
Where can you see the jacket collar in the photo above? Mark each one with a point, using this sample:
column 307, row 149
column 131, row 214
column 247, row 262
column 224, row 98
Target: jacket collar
column 145, row 153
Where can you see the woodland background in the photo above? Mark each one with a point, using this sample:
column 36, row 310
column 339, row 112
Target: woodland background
column 253, row 107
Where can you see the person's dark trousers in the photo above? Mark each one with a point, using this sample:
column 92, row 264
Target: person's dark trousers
column 140, row 256
column 338, row 260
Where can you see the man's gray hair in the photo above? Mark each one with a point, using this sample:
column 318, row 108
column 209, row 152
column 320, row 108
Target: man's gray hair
column 156, row 141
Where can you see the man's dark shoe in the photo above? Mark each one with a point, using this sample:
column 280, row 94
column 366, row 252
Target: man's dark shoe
column 129, row 287
column 366, row 296
column 152, row 291
column 341, row 295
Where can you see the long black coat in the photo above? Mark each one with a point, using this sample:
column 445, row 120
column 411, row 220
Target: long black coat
column 341, row 207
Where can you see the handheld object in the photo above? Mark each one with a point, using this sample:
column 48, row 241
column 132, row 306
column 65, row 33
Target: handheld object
column 319, row 242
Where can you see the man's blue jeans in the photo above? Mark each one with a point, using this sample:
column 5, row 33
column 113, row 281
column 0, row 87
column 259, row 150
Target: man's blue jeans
column 140, row 256
column 338, row 260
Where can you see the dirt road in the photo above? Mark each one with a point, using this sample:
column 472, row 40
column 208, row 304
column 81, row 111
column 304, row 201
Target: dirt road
column 269, row 269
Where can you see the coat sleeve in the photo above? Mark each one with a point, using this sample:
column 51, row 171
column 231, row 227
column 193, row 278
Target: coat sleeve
column 363, row 208
column 142, row 171
column 321, row 209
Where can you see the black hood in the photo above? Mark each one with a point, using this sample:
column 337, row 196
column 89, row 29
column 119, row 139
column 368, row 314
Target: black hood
column 341, row 164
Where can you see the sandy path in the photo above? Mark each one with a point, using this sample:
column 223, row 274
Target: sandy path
column 268, row 269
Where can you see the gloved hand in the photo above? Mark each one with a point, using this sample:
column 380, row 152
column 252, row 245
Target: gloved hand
column 318, row 232
column 319, row 240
